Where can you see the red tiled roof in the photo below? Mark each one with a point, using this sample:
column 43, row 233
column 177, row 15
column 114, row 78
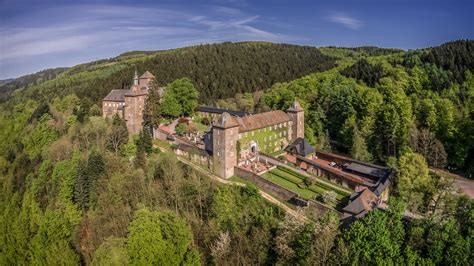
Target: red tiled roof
column 261, row 120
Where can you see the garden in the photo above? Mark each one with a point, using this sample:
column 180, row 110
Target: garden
column 306, row 187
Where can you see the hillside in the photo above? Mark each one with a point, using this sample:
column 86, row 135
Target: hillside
column 77, row 189
column 31, row 80
column 217, row 70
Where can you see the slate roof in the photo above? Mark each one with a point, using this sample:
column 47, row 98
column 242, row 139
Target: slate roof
column 215, row 110
column 261, row 120
column 370, row 170
column 361, row 202
column 300, row 147
column 116, row 96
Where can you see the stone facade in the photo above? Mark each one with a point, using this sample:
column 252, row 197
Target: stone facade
column 129, row 104
column 296, row 114
column 224, row 141
column 236, row 139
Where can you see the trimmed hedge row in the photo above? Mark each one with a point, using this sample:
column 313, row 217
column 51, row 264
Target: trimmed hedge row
column 287, row 176
column 321, row 184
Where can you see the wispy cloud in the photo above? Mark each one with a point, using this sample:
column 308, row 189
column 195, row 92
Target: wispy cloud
column 345, row 20
column 127, row 28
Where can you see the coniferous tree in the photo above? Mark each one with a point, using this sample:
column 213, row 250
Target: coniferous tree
column 82, row 186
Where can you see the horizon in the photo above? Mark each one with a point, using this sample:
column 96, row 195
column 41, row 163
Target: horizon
column 44, row 35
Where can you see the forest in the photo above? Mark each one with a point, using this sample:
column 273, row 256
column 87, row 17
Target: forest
column 78, row 185
column 218, row 70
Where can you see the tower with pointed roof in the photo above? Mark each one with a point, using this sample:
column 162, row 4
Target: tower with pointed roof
column 225, row 134
column 296, row 114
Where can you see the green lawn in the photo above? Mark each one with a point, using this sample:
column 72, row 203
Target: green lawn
column 342, row 191
column 304, row 193
column 294, row 181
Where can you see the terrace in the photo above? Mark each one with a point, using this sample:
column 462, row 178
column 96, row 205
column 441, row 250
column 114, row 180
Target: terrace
column 299, row 184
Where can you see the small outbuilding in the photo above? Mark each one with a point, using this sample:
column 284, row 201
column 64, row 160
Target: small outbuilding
column 300, row 147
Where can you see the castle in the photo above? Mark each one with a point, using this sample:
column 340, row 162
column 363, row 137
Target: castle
column 235, row 139
column 247, row 144
column 129, row 104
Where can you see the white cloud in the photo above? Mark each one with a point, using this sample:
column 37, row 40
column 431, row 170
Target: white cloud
column 76, row 34
column 129, row 27
column 345, row 20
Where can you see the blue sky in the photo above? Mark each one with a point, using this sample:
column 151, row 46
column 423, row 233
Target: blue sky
column 41, row 34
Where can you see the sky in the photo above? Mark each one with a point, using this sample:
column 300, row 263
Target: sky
column 38, row 34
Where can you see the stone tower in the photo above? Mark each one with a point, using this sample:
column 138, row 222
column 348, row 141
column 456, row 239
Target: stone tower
column 134, row 105
column 225, row 133
column 296, row 114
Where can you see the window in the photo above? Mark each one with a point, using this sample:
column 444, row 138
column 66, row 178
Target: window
column 240, row 135
column 265, row 138
column 246, row 134
column 280, row 134
column 275, row 127
column 218, row 154
column 252, row 133
column 279, row 125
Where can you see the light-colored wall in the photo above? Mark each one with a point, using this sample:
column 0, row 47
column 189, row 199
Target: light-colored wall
column 225, row 150
column 110, row 108
column 134, row 107
column 298, row 124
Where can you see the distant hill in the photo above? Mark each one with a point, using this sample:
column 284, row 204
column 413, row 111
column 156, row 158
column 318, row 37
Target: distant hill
column 4, row 81
column 218, row 70
column 9, row 85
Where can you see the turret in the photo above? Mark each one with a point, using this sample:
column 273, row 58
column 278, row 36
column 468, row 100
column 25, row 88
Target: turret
column 135, row 78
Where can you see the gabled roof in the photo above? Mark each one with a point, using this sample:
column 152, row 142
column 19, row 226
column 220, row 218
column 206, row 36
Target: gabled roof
column 116, row 96
column 147, row 75
column 226, row 121
column 262, row 120
column 361, row 202
column 300, row 147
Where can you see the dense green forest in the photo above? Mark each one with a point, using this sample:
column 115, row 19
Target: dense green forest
column 218, row 70
column 10, row 85
column 77, row 189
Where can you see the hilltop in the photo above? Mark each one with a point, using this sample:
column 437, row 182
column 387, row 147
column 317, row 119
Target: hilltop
column 218, row 70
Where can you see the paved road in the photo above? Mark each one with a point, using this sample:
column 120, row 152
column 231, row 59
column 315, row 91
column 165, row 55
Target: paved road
column 465, row 185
